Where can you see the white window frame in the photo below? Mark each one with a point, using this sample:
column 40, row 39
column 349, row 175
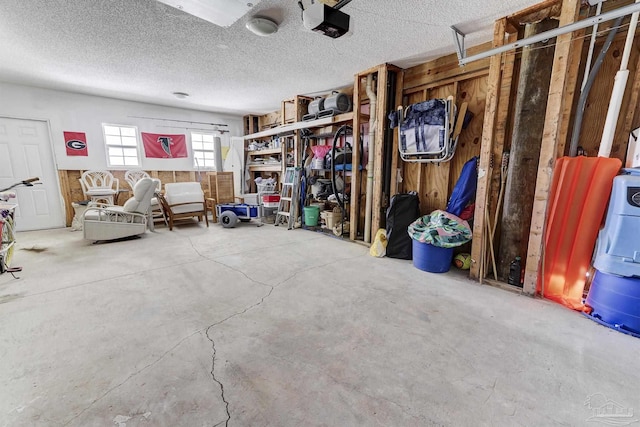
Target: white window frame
column 108, row 145
column 195, row 150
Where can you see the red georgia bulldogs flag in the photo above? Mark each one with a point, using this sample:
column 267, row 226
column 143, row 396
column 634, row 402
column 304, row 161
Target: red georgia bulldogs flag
column 163, row 146
column 76, row 143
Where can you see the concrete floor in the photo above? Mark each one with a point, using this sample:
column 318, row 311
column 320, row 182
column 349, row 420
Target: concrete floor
column 269, row 327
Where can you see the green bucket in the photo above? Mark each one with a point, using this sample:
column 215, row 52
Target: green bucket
column 311, row 214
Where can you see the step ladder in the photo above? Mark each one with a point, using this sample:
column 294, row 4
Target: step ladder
column 288, row 207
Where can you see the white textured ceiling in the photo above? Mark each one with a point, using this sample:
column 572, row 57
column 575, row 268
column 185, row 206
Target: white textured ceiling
column 143, row 50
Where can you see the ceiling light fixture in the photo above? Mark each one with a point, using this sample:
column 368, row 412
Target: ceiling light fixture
column 220, row 12
column 180, row 95
column 262, row 26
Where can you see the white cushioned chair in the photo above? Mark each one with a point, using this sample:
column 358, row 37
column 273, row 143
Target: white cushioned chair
column 132, row 177
column 183, row 200
column 109, row 222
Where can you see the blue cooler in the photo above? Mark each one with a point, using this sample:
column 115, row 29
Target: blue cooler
column 615, row 302
column 618, row 250
column 431, row 258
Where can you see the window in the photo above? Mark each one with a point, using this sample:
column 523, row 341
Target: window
column 202, row 145
column 122, row 145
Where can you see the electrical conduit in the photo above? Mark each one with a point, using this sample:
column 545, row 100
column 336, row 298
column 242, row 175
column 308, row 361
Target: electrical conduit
column 584, row 94
column 620, row 83
column 370, row 164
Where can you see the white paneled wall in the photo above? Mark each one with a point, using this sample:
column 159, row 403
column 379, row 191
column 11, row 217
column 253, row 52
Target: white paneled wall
column 67, row 111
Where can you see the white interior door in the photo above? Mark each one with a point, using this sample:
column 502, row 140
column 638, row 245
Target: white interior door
column 25, row 152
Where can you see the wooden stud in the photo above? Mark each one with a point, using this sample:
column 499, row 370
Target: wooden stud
column 552, row 129
column 395, row 155
column 63, row 177
column 354, row 215
column 484, row 170
column 572, row 89
column 381, row 123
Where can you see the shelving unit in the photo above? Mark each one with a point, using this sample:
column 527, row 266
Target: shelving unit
column 265, row 167
column 293, row 145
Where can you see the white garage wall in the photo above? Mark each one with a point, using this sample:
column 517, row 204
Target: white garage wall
column 85, row 113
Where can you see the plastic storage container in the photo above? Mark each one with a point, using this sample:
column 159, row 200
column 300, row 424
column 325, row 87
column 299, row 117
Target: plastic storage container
column 271, row 200
column 251, row 198
column 431, row 258
column 311, row 214
column 331, row 218
column 615, row 302
column 618, row 251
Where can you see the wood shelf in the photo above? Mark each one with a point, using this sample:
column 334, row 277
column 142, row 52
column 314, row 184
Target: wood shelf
column 275, row 167
column 326, row 121
column 263, row 152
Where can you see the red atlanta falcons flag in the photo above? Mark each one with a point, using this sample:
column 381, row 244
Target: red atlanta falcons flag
column 76, row 143
column 163, row 146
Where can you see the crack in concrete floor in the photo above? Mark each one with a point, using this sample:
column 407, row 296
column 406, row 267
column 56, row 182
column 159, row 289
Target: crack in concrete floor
column 206, row 330
column 267, row 295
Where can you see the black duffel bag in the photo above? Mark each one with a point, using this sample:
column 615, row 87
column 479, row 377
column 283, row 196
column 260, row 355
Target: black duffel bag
column 403, row 210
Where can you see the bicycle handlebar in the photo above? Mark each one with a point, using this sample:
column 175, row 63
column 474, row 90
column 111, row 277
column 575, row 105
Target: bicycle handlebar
column 27, row 182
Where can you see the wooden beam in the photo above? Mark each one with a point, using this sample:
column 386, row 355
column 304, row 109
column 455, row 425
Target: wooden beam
column 523, row 14
column 552, row 131
column 503, row 124
column 394, row 148
column 381, row 122
column 572, row 89
column 354, row 215
column 65, row 189
column 529, row 112
column 437, row 72
column 486, row 150
column 456, row 79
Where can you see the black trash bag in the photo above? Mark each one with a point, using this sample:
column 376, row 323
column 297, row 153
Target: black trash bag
column 403, row 210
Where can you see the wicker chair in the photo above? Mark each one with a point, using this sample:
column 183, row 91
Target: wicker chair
column 99, row 186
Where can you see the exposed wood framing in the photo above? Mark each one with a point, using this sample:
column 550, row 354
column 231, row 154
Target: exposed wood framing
column 503, row 130
column 66, row 189
column 466, row 76
column 528, row 112
column 381, row 120
column 354, row 216
column 396, row 155
column 442, row 78
column 572, row 89
column 537, row 12
column 442, row 69
column 72, row 192
column 488, row 132
column 357, row 179
column 554, row 118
